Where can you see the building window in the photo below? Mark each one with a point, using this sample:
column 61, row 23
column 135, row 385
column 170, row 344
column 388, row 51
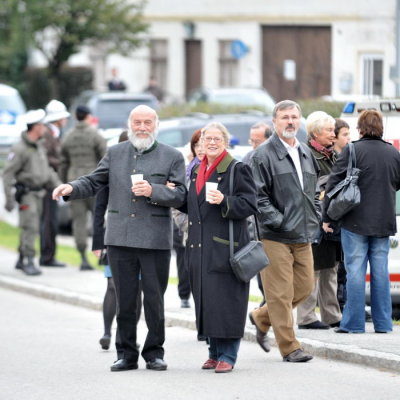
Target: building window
column 158, row 61
column 228, row 65
column 372, row 74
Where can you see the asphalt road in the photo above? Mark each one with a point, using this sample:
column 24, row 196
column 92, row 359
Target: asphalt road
column 49, row 350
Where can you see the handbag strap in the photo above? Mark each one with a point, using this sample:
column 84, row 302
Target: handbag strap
column 352, row 159
column 231, row 240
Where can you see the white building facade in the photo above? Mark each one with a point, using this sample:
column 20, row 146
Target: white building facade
column 293, row 48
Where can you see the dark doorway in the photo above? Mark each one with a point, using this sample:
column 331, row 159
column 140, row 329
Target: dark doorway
column 296, row 61
column 193, row 65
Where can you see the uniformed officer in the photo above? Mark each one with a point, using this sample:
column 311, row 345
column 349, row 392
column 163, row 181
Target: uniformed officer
column 28, row 170
column 55, row 120
column 81, row 150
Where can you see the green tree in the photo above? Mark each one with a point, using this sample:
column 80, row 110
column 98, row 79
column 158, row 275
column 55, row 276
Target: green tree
column 13, row 42
column 58, row 28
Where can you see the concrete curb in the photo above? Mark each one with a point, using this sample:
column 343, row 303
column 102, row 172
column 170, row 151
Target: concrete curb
column 332, row 351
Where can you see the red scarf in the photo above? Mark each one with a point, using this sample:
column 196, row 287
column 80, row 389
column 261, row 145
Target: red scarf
column 204, row 173
column 326, row 151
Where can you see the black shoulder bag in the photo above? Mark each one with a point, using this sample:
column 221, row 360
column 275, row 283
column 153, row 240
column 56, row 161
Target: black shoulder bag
column 251, row 258
column 346, row 194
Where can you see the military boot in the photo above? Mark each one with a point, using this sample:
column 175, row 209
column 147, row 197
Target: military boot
column 30, row 268
column 20, row 262
column 85, row 266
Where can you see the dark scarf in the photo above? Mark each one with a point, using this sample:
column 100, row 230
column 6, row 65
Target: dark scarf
column 204, row 173
column 326, row 151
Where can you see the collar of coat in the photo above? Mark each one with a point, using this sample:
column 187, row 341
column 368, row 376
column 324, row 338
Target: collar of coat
column 151, row 148
column 222, row 166
column 281, row 150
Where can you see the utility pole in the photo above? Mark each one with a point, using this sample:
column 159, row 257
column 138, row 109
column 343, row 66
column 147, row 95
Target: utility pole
column 397, row 67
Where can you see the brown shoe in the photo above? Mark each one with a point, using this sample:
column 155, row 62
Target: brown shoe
column 261, row 337
column 223, row 367
column 298, row 356
column 210, row 364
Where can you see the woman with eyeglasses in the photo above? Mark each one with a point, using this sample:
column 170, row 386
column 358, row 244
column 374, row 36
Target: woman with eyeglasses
column 220, row 298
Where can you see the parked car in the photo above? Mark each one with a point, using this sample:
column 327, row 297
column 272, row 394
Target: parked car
column 394, row 268
column 111, row 110
column 390, row 110
column 248, row 97
column 177, row 132
column 11, row 127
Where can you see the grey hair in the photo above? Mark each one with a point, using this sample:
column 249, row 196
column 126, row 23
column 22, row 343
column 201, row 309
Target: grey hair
column 221, row 127
column 316, row 121
column 143, row 107
column 284, row 105
column 267, row 128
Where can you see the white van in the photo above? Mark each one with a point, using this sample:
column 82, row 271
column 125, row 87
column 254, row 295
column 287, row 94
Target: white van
column 11, row 107
column 390, row 110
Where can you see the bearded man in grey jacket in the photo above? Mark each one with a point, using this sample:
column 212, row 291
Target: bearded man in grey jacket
column 139, row 229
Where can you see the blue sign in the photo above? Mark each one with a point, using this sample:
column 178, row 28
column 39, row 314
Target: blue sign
column 7, row 117
column 238, row 49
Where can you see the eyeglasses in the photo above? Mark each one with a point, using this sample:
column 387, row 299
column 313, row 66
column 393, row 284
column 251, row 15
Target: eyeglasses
column 208, row 139
column 257, row 142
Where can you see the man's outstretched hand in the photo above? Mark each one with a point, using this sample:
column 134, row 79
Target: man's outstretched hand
column 63, row 190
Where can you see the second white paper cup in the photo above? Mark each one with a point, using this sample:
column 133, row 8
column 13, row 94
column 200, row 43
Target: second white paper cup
column 136, row 177
column 210, row 186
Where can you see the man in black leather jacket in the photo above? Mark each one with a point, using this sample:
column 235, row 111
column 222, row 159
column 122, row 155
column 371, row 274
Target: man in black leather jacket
column 288, row 213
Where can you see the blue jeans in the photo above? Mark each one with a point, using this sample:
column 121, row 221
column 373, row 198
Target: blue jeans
column 358, row 250
column 222, row 349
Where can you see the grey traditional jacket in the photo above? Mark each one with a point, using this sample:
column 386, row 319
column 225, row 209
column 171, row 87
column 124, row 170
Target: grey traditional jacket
column 137, row 221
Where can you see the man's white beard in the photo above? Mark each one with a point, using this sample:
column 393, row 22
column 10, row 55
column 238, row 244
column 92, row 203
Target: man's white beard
column 289, row 135
column 141, row 143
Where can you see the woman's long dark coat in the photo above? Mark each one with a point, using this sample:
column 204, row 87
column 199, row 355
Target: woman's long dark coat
column 220, row 298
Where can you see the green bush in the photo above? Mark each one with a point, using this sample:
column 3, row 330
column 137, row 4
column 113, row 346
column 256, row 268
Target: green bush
column 307, row 105
column 333, row 108
column 179, row 110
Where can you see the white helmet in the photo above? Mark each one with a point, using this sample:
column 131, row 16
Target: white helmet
column 55, row 111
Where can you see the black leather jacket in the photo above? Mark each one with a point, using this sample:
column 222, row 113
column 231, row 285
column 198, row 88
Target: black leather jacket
column 286, row 212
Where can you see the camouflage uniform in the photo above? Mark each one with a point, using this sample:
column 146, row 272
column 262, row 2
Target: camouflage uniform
column 28, row 167
column 81, row 150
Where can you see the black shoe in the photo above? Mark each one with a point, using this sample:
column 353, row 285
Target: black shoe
column 105, row 342
column 185, row 303
column 314, row 325
column 53, row 263
column 20, row 263
column 261, row 337
column 298, row 356
column 123, row 365
column 158, row 364
column 340, row 330
column 86, row 267
column 335, row 325
column 30, row 268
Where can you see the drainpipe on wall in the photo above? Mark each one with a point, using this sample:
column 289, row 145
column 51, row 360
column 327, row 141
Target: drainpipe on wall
column 397, row 74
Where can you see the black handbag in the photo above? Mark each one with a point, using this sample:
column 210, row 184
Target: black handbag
column 251, row 258
column 346, row 194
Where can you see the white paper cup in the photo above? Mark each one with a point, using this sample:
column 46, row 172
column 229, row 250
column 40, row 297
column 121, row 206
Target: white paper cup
column 210, row 186
column 136, row 177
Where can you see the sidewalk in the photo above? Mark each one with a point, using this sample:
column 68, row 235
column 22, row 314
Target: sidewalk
column 86, row 289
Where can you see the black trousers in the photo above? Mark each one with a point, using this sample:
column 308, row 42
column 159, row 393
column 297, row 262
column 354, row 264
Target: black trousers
column 48, row 228
column 183, row 274
column 153, row 266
